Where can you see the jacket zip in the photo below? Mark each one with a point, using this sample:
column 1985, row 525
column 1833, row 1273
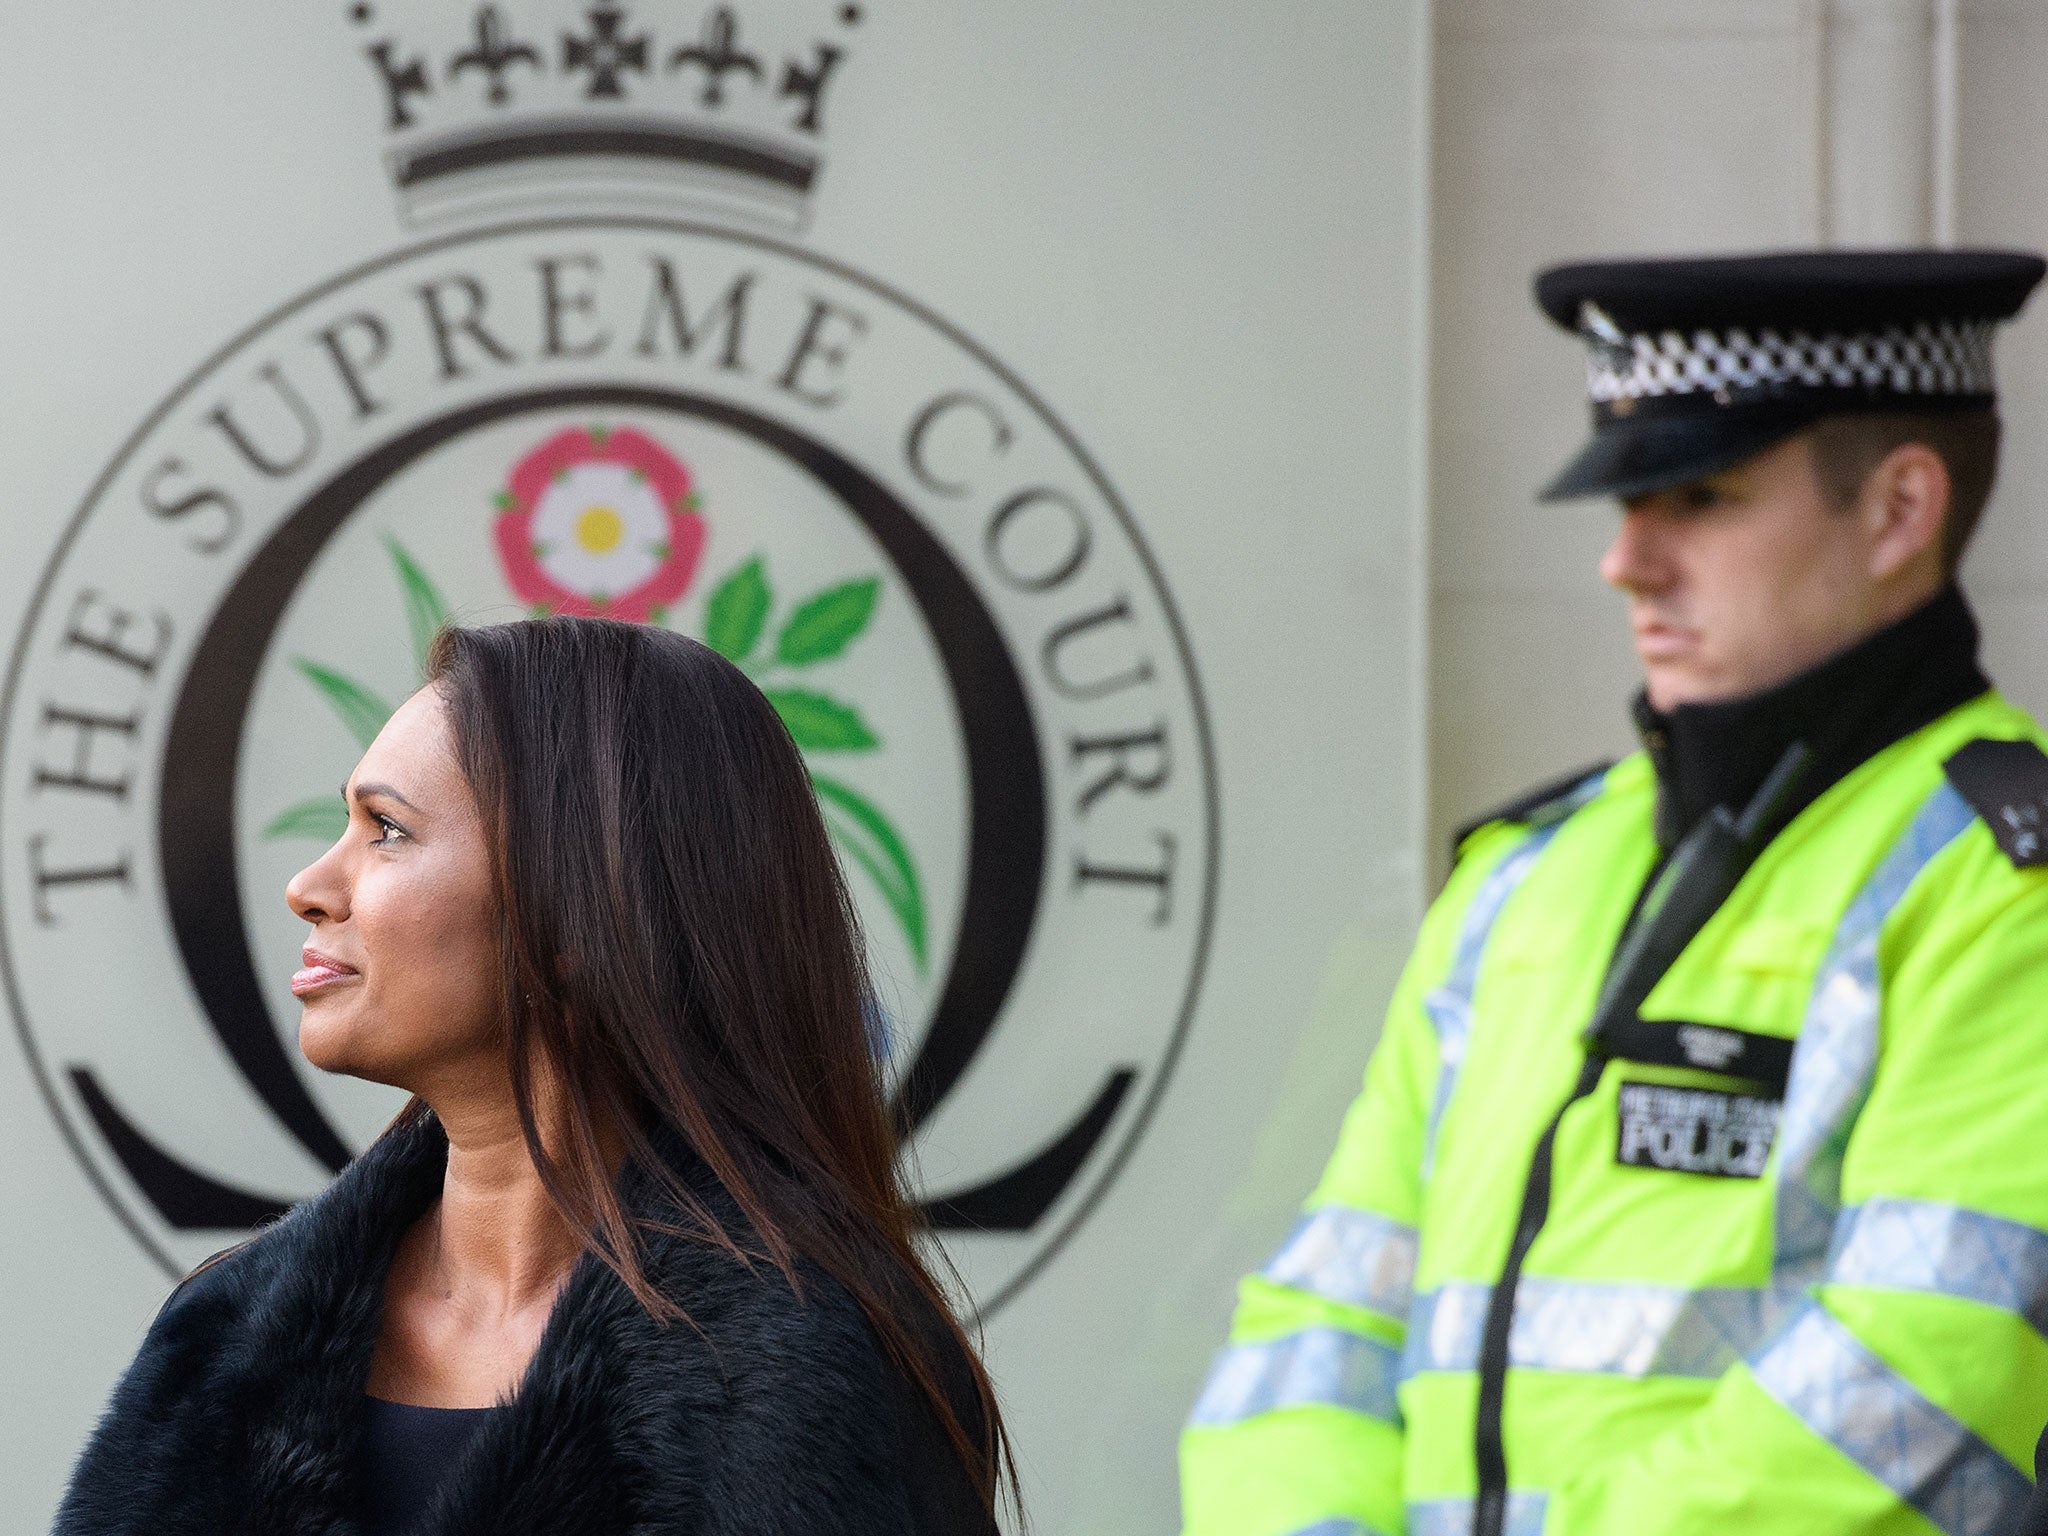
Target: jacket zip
column 1680, row 894
column 1489, row 1516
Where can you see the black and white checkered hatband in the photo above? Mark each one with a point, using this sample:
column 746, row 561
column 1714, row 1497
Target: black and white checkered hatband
column 1947, row 361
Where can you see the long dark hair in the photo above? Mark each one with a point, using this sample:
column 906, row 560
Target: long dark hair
column 681, row 959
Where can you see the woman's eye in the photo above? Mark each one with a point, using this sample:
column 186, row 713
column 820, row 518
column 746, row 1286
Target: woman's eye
column 389, row 828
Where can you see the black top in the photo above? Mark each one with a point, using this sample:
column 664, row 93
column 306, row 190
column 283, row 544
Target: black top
column 1847, row 709
column 407, row 1453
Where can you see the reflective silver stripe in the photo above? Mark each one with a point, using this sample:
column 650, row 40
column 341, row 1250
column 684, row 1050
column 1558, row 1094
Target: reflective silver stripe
column 1921, row 1245
column 1449, row 1006
column 1340, row 1253
column 1453, row 1517
column 1850, row 1398
column 1617, row 1328
column 1326, row 1366
column 1444, row 1328
column 1836, row 1054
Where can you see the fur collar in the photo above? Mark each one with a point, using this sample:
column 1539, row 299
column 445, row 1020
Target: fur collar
column 244, row 1413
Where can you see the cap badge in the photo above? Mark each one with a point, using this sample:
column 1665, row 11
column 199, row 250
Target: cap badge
column 1599, row 325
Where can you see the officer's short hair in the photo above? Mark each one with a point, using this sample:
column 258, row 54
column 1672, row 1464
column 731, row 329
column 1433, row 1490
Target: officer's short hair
column 1847, row 448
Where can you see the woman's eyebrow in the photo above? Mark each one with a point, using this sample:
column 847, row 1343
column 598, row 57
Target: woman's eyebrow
column 363, row 791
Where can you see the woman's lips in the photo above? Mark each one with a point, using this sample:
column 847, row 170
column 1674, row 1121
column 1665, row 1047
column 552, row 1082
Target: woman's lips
column 320, row 971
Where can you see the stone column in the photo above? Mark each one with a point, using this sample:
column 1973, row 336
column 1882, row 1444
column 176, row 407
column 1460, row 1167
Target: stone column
column 1888, row 108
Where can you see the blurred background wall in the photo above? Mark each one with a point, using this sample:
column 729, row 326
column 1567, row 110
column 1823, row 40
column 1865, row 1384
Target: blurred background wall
column 1583, row 128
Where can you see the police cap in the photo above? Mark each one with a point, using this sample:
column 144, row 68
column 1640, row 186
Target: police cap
column 1697, row 363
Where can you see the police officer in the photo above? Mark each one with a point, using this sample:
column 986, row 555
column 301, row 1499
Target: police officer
column 1700, row 1178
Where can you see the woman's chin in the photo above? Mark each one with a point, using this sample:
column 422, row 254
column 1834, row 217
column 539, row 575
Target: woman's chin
column 329, row 1044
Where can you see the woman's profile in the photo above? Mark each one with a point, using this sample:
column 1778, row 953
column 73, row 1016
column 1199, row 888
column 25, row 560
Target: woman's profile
column 635, row 1257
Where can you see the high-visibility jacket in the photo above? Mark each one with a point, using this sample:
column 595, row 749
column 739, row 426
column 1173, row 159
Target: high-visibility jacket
column 1808, row 1315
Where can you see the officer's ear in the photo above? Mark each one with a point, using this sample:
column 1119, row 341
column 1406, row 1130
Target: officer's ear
column 1902, row 506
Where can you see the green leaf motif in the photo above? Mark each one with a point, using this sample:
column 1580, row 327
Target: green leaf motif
column 322, row 820
column 868, row 839
column 737, row 612
column 425, row 613
column 360, row 710
column 825, row 624
column 821, row 723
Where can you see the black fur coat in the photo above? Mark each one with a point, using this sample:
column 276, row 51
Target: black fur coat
column 243, row 1414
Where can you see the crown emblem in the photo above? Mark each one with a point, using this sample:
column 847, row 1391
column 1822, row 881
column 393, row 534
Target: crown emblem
column 596, row 104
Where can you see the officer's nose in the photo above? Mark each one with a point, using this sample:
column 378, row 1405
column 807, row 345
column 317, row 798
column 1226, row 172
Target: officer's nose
column 1636, row 560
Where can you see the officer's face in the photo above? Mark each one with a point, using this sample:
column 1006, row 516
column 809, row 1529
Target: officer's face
column 1737, row 581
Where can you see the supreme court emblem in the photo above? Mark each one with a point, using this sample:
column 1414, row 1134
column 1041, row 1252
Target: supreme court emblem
column 676, row 422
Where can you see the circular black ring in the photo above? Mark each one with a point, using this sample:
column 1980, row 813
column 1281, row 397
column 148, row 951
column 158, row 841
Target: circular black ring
column 1211, row 819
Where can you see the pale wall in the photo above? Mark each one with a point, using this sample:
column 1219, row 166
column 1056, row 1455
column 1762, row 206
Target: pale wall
column 1581, row 128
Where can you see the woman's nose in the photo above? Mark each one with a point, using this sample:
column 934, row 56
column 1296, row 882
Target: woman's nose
column 317, row 893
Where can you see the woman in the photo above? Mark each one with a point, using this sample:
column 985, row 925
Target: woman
column 635, row 1257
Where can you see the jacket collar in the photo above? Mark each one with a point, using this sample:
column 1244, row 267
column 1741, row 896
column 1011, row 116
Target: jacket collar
column 554, row 1459
column 308, row 1360
column 1846, row 709
column 767, row 1405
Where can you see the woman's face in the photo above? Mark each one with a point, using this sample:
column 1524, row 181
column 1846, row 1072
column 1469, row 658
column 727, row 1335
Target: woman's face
column 400, row 983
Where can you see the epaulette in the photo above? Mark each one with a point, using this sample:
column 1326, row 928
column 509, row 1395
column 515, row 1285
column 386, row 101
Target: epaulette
column 1541, row 807
column 2006, row 783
